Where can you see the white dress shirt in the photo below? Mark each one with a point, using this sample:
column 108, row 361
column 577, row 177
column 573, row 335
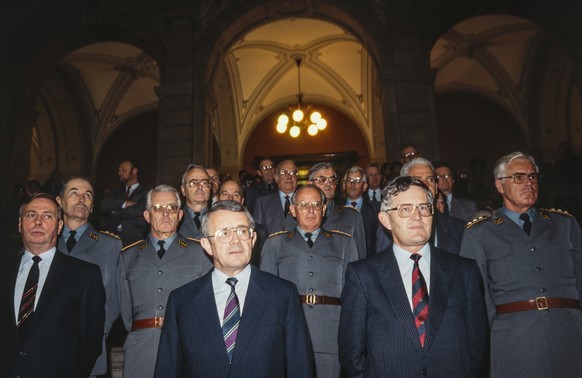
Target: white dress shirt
column 406, row 264
column 222, row 289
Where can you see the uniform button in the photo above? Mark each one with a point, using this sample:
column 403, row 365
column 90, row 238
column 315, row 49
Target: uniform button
column 23, row 354
column 160, row 289
column 160, row 307
column 160, row 272
column 533, row 249
column 538, row 268
column 311, row 273
column 310, row 257
column 311, row 290
column 424, row 372
column 542, row 289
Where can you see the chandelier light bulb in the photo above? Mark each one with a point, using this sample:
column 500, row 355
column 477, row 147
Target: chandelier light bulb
column 321, row 124
column 283, row 120
column 312, row 129
column 315, row 116
column 281, row 128
column 298, row 115
column 295, row 131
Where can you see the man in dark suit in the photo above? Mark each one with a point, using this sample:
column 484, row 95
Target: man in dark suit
column 458, row 207
column 413, row 310
column 52, row 317
column 235, row 321
column 197, row 189
column 271, row 210
column 374, row 192
column 266, row 170
column 81, row 240
column 124, row 208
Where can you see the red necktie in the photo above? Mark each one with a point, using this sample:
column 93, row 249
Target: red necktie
column 28, row 297
column 419, row 298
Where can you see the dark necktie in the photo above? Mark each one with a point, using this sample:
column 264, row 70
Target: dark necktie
column 287, row 205
column 162, row 250
column 308, row 235
column 526, row 222
column 231, row 318
column 71, row 241
column 354, row 204
column 269, row 188
column 26, row 310
column 127, row 192
column 419, row 299
column 197, row 219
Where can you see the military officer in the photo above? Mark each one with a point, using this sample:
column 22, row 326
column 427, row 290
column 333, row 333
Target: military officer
column 531, row 264
column 148, row 271
column 315, row 260
column 197, row 188
column 81, row 240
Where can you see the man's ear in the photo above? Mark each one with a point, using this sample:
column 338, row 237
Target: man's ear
column 206, row 245
column 384, row 218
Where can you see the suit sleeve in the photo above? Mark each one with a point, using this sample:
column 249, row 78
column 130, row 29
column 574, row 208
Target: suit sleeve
column 258, row 211
column 360, row 236
column 351, row 254
column 477, row 325
column 124, row 294
column 353, row 325
column 299, row 357
column 169, row 360
column 91, row 319
column 269, row 257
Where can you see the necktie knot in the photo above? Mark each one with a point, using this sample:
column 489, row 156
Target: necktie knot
column 162, row 249
column 231, row 281
column 354, row 204
column 36, row 259
column 415, row 257
column 308, row 235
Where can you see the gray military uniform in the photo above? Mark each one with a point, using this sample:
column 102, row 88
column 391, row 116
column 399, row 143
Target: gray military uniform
column 319, row 270
column 518, row 267
column 102, row 249
column 144, row 284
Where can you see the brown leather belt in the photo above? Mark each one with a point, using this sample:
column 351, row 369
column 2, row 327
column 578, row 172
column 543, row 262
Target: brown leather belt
column 156, row 322
column 540, row 303
column 312, row 299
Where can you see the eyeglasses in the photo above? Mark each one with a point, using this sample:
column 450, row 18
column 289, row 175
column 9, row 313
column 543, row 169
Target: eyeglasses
column 428, row 179
column 354, row 180
column 305, row 206
column 267, row 167
column 410, row 154
column 288, row 173
column 519, row 178
column 405, row 210
column 322, row 180
column 170, row 209
column 215, row 178
column 224, row 236
column 443, row 177
column 194, row 182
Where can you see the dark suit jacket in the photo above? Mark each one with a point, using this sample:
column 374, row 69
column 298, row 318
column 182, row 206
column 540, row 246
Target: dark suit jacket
column 133, row 225
column 256, row 191
column 269, row 212
column 370, row 218
column 378, row 336
column 65, row 333
column 272, row 337
column 262, row 236
column 462, row 209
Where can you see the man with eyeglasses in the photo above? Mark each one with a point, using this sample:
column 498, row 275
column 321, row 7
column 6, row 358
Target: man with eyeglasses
column 315, row 259
column 148, row 271
column 374, row 191
column 409, row 152
column 197, row 189
column 235, row 321
column 215, row 181
column 81, row 240
column 272, row 209
column 355, row 184
column 266, row 170
column 412, row 310
column 457, row 207
column 531, row 263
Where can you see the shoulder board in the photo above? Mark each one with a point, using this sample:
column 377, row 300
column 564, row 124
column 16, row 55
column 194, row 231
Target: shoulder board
column 194, row 240
column 133, row 245
column 349, row 207
column 475, row 221
column 110, row 234
column 94, row 236
column 341, row 233
column 280, row 233
column 182, row 243
column 555, row 211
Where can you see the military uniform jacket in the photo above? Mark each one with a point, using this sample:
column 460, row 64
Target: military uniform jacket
column 188, row 228
column 144, row 284
column 517, row 267
column 319, row 270
column 101, row 249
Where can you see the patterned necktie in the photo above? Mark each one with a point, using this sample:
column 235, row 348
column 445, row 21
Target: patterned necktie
column 197, row 219
column 71, row 241
column 162, row 250
column 526, row 222
column 308, row 235
column 287, row 205
column 419, row 298
column 26, row 310
column 231, row 318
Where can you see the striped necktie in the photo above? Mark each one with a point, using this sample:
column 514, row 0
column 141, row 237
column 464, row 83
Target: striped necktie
column 419, row 298
column 26, row 310
column 231, row 318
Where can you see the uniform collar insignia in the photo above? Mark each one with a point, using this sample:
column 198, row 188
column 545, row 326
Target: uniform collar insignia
column 498, row 221
column 182, row 243
column 93, row 236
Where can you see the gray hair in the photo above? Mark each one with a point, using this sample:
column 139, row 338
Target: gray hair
column 191, row 167
column 71, row 178
column 162, row 189
column 356, row 169
column 317, row 167
column 228, row 206
column 309, row 186
column 404, row 171
column 501, row 164
column 402, row 184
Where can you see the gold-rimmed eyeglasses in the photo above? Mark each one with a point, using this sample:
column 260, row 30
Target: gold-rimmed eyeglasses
column 204, row 183
column 322, row 180
column 171, row 208
column 305, row 206
column 224, row 236
column 405, row 210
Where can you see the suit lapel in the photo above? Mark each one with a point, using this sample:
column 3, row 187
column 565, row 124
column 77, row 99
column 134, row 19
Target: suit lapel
column 87, row 240
column 51, row 287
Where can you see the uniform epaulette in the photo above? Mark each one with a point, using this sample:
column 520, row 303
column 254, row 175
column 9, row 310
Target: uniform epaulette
column 341, row 233
column 476, row 220
column 556, row 211
column 279, row 233
column 133, row 245
column 350, row 207
column 94, row 236
column 182, row 243
column 194, row 240
column 110, row 234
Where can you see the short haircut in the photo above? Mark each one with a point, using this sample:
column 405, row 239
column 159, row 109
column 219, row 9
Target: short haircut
column 309, row 186
column 317, row 167
column 259, row 163
column 404, row 171
column 71, row 178
column 356, row 169
column 47, row 196
column 162, row 189
column 402, row 184
column 228, row 206
column 230, row 180
column 283, row 162
column 501, row 164
column 373, row 165
column 191, row 167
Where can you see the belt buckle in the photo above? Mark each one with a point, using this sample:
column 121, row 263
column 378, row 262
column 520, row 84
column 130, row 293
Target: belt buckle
column 158, row 321
column 542, row 303
column 311, row 299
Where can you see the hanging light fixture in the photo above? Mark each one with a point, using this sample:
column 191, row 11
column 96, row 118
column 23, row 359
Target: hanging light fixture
column 301, row 117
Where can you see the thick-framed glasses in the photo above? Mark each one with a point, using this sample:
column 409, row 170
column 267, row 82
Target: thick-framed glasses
column 288, row 173
column 267, row 168
column 354, row 180
column 322, row 180
column 204, row 183
column 305, row 206
column 519, row 178
column 224, row 236
column 405, row 210
column 443, row 177
column 170, row 209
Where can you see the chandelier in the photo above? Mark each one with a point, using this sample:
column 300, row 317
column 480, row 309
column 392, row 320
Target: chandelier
column 302, row 117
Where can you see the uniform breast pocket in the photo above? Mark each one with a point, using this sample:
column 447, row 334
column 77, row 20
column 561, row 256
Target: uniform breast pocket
column 136, row 274
column 561, row 260
column 186, row 271
column 501, row 266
